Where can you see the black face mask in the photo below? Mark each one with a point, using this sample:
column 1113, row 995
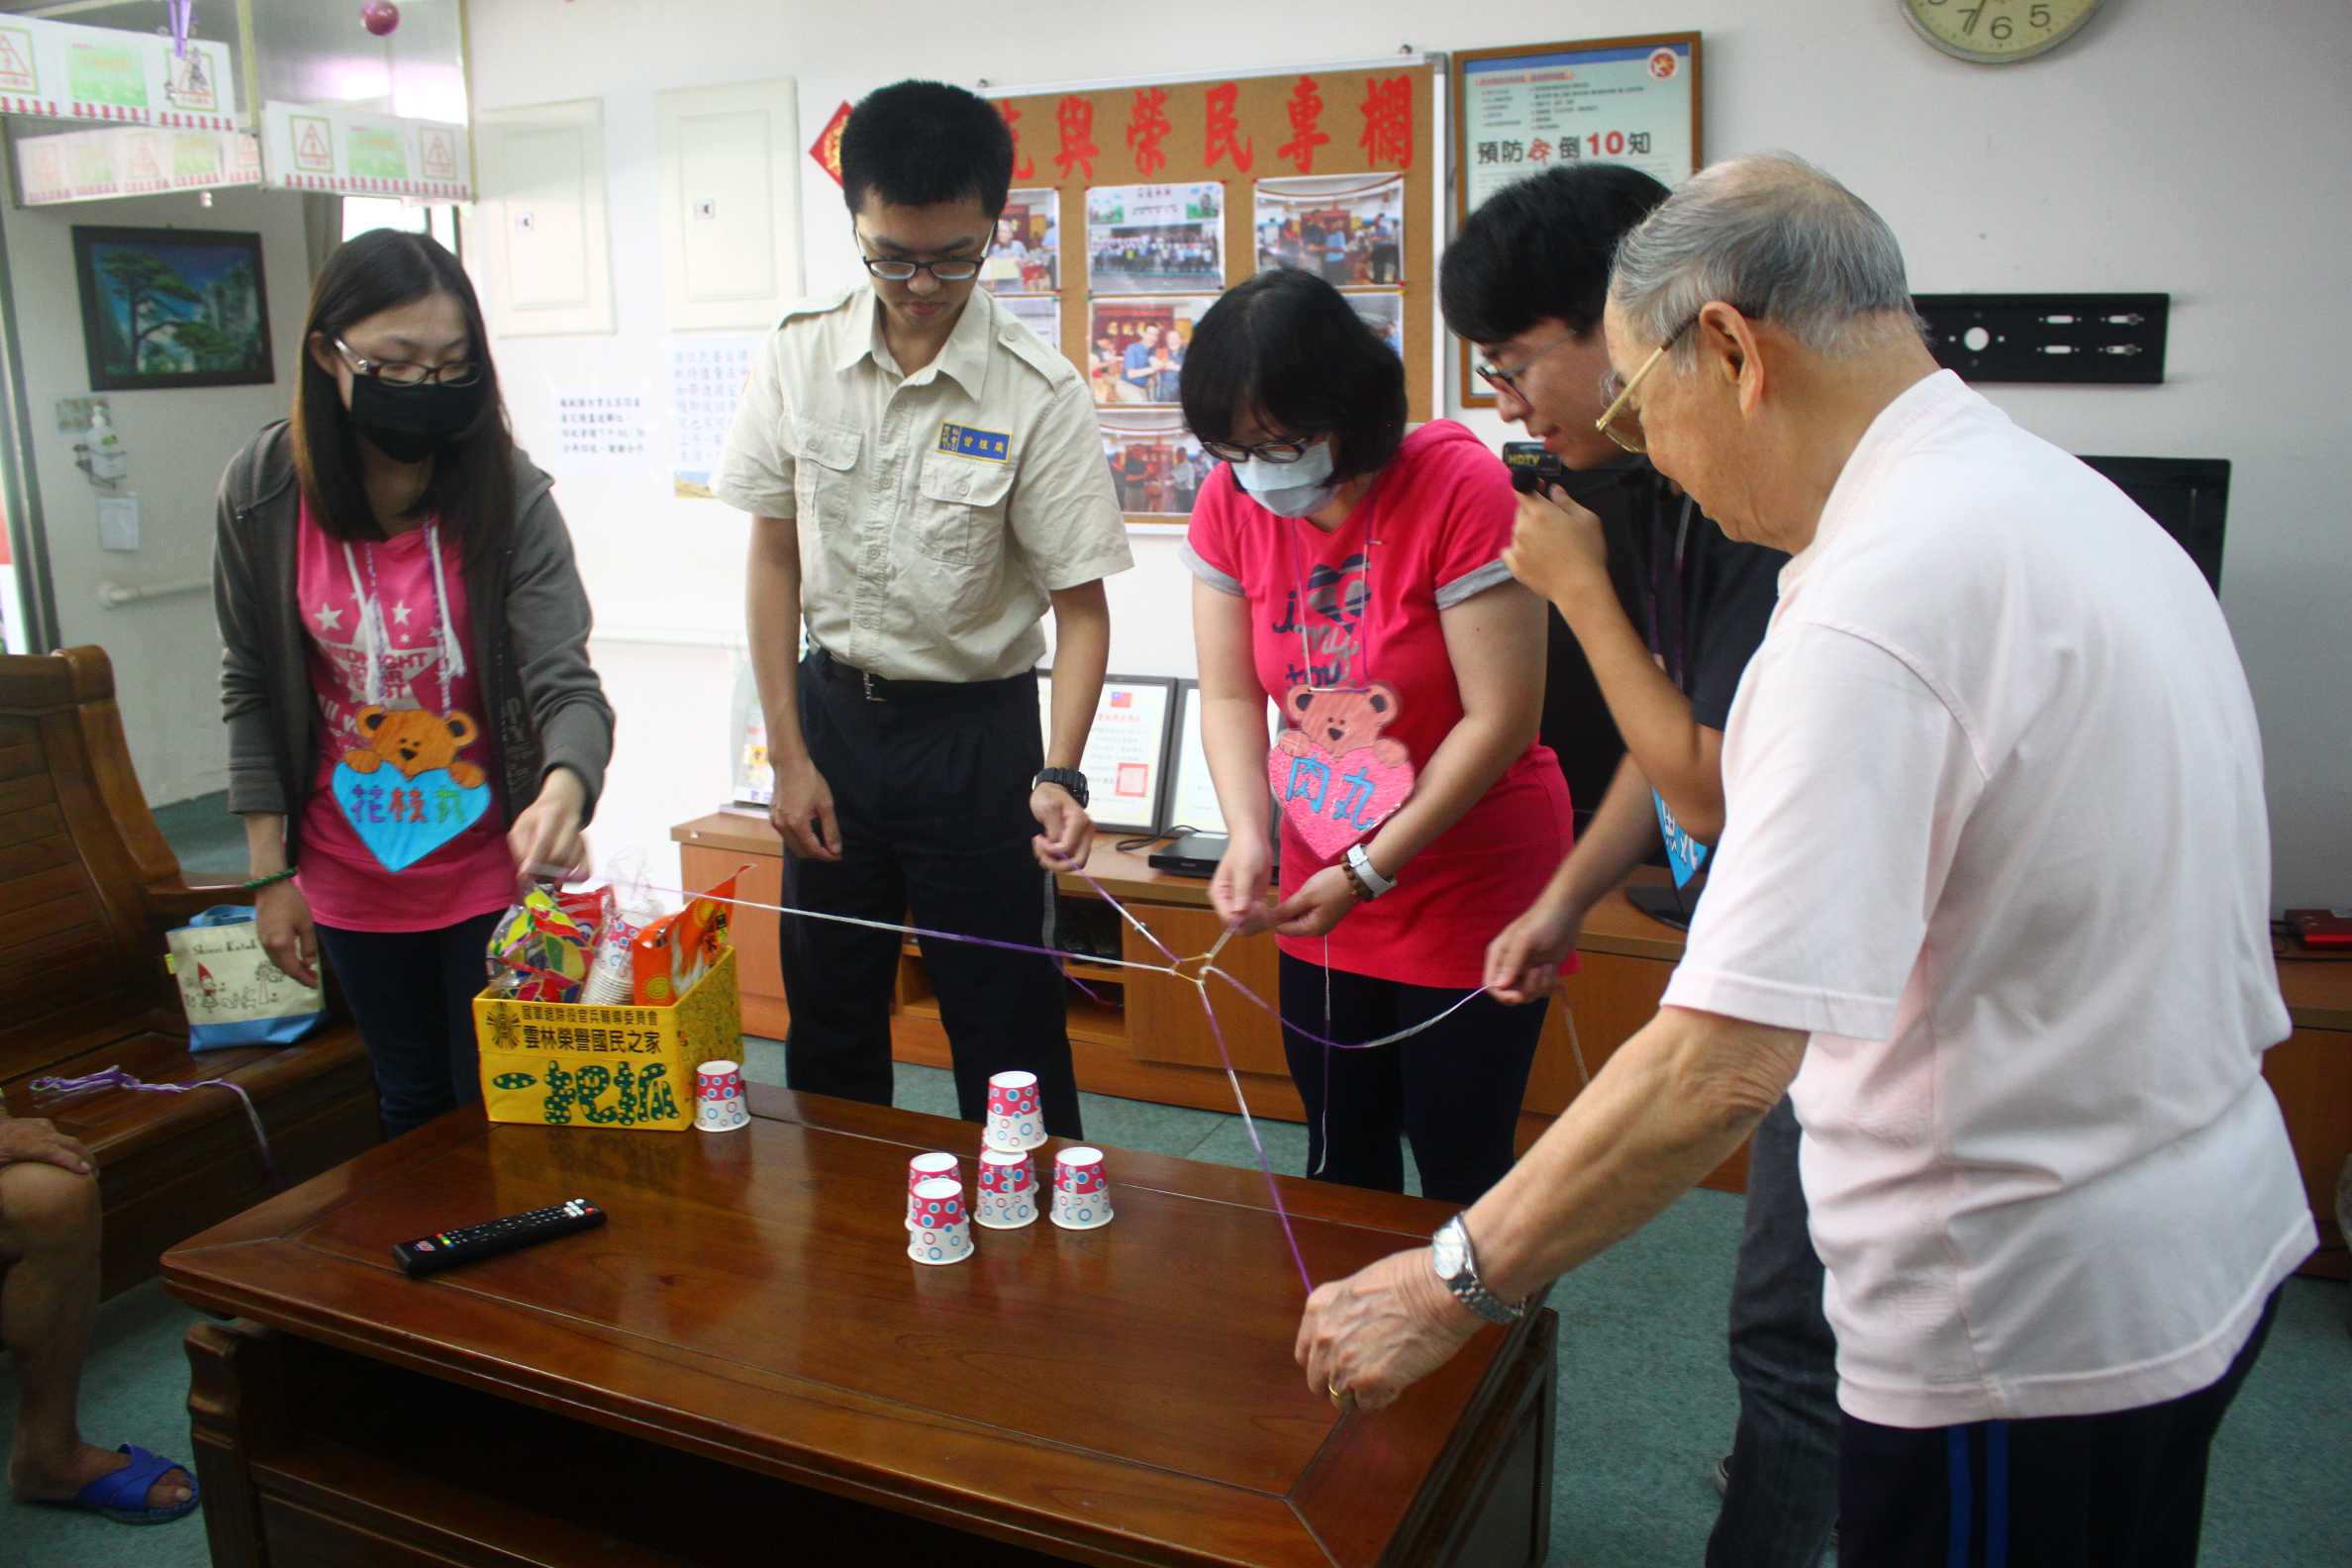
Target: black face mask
column 409, row 424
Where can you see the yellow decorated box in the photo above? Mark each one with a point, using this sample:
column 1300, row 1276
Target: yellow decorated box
column 567, row 1063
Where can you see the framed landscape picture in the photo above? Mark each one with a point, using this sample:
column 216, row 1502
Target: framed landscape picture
column 170, row 308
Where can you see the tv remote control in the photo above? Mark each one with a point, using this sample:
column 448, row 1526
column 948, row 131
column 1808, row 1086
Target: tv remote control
column 431, row 1254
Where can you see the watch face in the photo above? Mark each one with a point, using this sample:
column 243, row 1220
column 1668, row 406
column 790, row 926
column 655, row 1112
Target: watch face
column 1446, row 1247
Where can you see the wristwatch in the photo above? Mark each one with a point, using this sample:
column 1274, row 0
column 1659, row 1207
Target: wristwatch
column 1368, row 877
column 1068, row 778
column 1457, row 1267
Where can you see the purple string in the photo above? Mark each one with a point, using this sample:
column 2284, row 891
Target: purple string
column 1371, row 1045
column 1265, row 1166
column 116, row 1078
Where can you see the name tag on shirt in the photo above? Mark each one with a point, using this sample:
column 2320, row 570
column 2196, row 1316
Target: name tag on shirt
column 1684, row 853
column 965, row 441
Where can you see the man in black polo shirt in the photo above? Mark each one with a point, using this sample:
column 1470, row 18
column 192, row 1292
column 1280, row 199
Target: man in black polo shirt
column 1658, row 615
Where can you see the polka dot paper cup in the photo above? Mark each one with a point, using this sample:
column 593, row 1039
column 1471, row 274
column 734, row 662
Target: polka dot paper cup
column 1081, row 1192
column 1016, row 1117
column 1008, row 1190
column 922, row 1168
column 943, row 1231
column 719, row 1102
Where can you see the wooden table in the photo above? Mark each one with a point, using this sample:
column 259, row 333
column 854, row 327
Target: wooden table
column 743, row 1359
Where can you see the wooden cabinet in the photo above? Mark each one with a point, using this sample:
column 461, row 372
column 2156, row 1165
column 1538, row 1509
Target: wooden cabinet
column 2311, row 1071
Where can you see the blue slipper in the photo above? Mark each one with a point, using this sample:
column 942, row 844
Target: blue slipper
column 121, row 1495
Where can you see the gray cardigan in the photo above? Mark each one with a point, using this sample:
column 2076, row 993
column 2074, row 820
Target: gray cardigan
column 530, row 618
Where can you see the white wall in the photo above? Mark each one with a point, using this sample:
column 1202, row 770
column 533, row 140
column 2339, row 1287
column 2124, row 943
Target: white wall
column 166, row 652
column 2191, row 150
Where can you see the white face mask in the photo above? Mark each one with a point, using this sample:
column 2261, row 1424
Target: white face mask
column 1291, row 489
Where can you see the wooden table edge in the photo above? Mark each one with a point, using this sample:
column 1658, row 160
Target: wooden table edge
column 275, row 1223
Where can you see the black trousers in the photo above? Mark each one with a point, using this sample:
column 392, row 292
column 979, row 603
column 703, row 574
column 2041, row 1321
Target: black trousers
column 930, row 786
column 1454, row 1088
column 412, row 995
column 2120, row 1490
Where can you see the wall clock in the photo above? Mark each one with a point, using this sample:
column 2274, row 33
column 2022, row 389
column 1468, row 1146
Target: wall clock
column 1997, row 31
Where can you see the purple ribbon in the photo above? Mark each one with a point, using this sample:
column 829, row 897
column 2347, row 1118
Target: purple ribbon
column 1216, row 1029
column 116, row 1078
column 183, row 13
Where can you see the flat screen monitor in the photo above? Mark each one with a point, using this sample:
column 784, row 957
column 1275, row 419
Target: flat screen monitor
column 2186, row 496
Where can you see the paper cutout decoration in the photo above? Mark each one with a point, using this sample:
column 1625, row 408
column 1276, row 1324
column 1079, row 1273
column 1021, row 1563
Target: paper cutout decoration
column 1337, row 775
column 405, row 792
column 827, row 149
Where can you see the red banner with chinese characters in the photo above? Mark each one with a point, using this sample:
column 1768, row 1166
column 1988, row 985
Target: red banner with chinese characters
column 1298, row 126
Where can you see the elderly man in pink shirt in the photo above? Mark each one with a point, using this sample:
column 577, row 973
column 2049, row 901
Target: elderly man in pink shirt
column 1992, row 905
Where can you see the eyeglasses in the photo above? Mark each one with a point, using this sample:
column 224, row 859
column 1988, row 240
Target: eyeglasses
column 1503, row 381
column 962, row 269
column 401, row 373
column 1623, row 425
column 1273, row 451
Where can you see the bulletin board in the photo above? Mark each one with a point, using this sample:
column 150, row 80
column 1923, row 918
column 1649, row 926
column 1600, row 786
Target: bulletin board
column 1523, row 110
column 1144, row 150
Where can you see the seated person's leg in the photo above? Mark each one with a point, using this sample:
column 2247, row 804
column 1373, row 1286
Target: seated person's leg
column 49, row 1295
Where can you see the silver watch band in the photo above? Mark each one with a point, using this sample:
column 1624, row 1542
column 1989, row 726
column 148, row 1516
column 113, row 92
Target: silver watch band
column 1470, row 1290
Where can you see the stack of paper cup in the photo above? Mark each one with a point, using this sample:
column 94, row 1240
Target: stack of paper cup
column 922, row 1168
column 719, row 1105
column 1081, row 1193
column 942, row 1231
column 1008, row 1189
column 1016, row 1118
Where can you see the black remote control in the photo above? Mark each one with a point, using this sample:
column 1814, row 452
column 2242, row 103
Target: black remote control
column 431, row 1254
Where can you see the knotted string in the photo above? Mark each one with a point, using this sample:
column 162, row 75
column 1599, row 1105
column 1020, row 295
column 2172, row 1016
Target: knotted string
column 1174, row 967
column 117, row 1078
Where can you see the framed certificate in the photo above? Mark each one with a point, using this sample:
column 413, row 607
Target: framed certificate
column 1127, row 751
column 1523, row 110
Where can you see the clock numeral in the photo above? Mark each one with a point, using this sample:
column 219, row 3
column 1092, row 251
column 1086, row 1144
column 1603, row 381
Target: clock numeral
column 2000, row 28
column 2038, row 15
column 1972, row 15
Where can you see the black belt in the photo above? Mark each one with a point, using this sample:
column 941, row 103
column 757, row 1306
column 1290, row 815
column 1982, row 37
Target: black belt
column 875, row 688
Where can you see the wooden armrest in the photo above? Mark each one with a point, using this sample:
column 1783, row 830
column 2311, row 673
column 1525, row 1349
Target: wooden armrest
column 176, row 902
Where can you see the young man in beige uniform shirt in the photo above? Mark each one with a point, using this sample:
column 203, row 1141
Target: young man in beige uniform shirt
column 926, row 479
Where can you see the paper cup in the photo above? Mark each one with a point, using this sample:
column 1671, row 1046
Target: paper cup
column 1008, row 1198
column 1081, row 1192
column 719, row 1102
column 922, row 1168
column 1016, row 1114
column 943, row 1232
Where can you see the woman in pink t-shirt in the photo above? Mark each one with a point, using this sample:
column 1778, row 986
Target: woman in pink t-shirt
column 1353, row 573
column 413, row 723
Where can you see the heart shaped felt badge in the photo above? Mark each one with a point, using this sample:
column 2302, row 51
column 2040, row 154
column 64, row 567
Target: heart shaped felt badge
column 407, row 791
column 1337, row 775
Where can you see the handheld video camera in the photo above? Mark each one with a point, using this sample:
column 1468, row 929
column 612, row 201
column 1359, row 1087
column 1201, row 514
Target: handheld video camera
column 1533, row 470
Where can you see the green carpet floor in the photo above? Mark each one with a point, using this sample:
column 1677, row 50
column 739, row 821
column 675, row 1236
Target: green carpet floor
column 1645, row 1401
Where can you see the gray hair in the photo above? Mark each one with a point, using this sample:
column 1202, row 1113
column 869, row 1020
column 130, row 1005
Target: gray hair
column 1778, row 239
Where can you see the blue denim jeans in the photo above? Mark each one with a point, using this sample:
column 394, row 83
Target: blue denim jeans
column 1782, row 1501
column 412, row 995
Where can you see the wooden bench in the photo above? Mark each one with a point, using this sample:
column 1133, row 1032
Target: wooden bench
column 87, row 889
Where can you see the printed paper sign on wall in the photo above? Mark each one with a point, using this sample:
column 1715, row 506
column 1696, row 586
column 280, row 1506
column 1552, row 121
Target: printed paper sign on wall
column 314, row 147
column 60, row 70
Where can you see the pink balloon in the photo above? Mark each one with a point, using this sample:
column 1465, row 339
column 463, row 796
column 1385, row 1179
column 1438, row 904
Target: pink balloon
column 380, row 16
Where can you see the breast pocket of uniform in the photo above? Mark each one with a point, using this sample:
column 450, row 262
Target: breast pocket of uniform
column 959, row 530
column 825, row 457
